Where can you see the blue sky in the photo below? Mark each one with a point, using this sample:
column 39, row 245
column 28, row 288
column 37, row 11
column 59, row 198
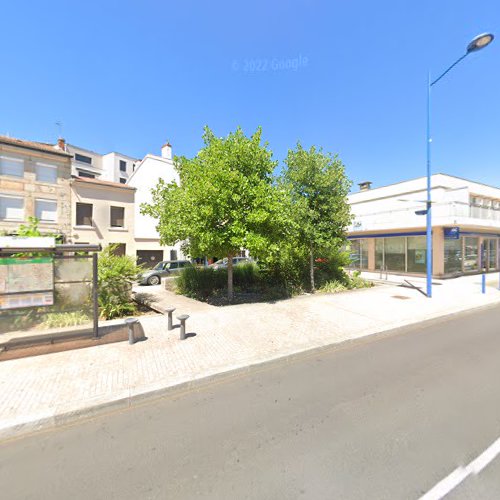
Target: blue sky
column 348, row 76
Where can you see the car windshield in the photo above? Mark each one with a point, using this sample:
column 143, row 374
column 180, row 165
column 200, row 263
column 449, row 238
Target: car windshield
column 159, row 266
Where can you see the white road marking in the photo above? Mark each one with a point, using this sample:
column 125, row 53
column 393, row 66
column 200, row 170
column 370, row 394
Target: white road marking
column 451, row 481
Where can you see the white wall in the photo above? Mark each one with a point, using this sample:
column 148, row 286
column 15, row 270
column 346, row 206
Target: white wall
column 384, row 208
column 111, row 166
column 144, row 179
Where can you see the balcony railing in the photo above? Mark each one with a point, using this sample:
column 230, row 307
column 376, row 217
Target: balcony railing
column 441, row 212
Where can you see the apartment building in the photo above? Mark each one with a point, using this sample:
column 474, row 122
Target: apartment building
column 34, row 182
column 389, row 227
column 114, row 167
column 103, row 213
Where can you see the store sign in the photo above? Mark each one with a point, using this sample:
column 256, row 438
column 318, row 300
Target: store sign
column 451, row 233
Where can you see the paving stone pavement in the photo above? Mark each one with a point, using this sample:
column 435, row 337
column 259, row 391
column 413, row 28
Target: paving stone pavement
column 51, row 389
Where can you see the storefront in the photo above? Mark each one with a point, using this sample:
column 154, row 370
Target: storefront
column 455, row 252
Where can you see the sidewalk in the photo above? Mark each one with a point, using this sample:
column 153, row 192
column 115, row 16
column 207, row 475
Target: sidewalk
column 48, row 390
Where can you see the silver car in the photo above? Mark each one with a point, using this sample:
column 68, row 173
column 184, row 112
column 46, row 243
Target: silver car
column 161, row 270
column 222, row 263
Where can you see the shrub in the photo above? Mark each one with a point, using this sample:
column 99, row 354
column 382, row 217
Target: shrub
column 201, row 283
column 333, row 287
column 116, row 274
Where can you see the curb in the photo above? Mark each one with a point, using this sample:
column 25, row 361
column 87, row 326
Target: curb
column 67, row 419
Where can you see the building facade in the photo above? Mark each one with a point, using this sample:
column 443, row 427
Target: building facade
column 388, row 230
column 35, row 182
column 103, row 213
column 146, row 176
column 114, row 167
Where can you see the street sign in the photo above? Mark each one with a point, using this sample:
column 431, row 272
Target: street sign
column 451, row 233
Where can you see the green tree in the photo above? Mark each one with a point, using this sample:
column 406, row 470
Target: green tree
column 318, row 188
column 225, row 201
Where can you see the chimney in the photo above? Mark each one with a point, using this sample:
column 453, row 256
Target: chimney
column 365, row 186
column 166, row 151
column 61, row 144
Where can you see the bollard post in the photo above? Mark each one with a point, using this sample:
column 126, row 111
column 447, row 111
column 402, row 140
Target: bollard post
column 182, row 318
column 130, row 322
column 169, row 311
column 483, row 283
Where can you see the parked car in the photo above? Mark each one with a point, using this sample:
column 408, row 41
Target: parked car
column 222, row 263
column 161, row 270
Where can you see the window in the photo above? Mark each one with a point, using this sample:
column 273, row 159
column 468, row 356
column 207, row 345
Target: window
column 117, row 217
column 471, row 254
column 82, row 173
column 173, row 254
column 11, row 166
column 84, row 214
column 46, row 210
column 453, row 256
column 395, row 254
column 46, row 173
column 123, row 181
column 359, row 254
column 83, row 159
column 379, row 254
column 416, row 254
column 123, row 166
column 11, row 208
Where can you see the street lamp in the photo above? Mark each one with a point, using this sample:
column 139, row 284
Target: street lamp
column 477, row 43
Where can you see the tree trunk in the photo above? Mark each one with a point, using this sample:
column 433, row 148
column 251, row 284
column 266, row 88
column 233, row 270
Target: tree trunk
column 230, row 290
column 311, row 268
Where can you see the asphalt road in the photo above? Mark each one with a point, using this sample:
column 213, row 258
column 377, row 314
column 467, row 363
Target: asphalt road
column 384, row 418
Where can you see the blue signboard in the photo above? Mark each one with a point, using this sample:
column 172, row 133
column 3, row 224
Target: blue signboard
column 451, row 233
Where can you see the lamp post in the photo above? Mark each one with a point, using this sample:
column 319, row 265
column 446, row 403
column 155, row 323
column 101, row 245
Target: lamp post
column 477, row 43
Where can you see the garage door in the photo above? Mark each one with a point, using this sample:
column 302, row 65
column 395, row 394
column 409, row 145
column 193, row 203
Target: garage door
column 149, row 258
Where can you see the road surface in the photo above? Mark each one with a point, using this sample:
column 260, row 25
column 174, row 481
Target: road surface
column 401, row 415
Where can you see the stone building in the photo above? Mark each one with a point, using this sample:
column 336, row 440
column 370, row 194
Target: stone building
column 35, row 182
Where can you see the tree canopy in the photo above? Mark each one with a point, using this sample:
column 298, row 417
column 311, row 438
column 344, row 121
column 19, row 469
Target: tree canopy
column 225, row 201
column 318, row 189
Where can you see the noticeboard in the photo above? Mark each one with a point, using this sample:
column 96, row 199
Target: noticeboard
column 26, row 282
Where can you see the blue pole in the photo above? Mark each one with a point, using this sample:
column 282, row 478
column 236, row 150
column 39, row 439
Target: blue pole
column 483, row 283
column 428, row 214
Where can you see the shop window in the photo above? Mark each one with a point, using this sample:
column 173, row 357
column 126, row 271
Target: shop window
column 416, row 254
column 379, row 254
column 471, row 253
column 395, row 253
column 359, row 253
column 453, row 256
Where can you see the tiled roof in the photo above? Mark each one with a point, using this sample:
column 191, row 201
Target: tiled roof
column 37, row 146
column 103, row 183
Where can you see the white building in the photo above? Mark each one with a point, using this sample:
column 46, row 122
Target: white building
column 114, row 167
column 145, row 177
column 388, row 230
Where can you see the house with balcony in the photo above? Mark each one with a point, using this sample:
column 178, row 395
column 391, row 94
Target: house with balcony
column 35, row 182
column 388, row 231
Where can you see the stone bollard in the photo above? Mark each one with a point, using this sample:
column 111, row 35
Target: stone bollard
column 130, row 322
column 169, row 311
column 182, row 318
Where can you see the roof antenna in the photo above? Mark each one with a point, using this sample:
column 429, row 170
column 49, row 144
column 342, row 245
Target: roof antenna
column 59, row 126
